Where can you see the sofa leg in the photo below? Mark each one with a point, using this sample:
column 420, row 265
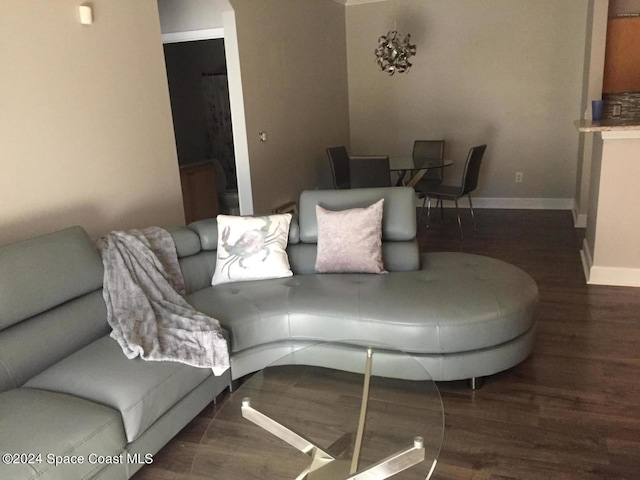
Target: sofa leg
column 475, row 383
column 234, row 385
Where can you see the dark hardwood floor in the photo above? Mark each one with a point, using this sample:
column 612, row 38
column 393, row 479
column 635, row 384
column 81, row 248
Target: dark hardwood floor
column 570, row 411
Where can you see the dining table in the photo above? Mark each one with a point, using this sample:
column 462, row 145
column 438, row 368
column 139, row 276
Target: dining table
column 404, row 165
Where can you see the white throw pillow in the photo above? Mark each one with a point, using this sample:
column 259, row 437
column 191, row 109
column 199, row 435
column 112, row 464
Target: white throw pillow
column 350, row 240
column 252, row 248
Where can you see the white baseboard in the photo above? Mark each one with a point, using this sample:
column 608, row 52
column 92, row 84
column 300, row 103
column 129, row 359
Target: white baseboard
column 613, row 276
column 579, row 219
column 587, row 259
column 511, row 203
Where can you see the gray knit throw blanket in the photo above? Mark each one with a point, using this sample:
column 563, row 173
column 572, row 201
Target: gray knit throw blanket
column 143, row 288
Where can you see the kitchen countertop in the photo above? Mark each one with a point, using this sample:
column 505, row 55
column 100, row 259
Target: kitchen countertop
column 607, row 125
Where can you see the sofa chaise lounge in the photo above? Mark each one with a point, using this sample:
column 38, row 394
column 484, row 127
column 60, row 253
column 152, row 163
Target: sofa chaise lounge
column 462, row 316
column 73, row 406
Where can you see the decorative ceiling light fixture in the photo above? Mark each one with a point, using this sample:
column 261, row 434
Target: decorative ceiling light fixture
column 393, row 53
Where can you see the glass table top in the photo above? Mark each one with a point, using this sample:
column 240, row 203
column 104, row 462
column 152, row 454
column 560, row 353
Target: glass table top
column 402, row 164
column 328, row 411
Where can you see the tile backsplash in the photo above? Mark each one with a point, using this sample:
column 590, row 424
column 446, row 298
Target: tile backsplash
column 629, row 106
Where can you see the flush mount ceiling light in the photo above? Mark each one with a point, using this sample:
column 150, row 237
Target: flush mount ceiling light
column 393, row 53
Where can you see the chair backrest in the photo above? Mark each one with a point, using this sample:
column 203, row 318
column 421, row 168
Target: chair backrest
column 472, row 169
column 370, row 172
column 339, row 160
column 424, row 150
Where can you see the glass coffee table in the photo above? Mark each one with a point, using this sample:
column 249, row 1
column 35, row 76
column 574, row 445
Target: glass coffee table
column 327, row 412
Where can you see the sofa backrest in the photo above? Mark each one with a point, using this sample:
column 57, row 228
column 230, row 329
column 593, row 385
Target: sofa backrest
column 399, row 245
column 196, row 244
column 196, row 247
column 50, row 302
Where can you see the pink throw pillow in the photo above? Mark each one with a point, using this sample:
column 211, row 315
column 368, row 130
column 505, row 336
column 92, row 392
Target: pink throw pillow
column 350, row 240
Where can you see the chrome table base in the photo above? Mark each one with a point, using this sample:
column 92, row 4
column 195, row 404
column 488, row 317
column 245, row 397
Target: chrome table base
column 331, row 464
column 325, row 465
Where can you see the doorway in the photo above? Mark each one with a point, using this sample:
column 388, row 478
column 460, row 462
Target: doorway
column 199, row 93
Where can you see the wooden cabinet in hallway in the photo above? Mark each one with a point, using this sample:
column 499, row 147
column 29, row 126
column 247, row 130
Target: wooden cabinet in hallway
column 199, row 192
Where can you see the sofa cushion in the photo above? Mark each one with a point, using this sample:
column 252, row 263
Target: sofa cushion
column 253, row 312
column 458, row 302
column 396, row 257
column 35, row 421
column 32, row 346
column 43, row 272
column 141, row 390
column 350, row 240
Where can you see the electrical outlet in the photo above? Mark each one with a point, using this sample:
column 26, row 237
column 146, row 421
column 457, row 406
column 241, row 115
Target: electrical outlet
column 617, row 110
column 518, row 177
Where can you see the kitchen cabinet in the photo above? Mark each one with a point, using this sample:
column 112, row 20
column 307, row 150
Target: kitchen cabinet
column 622, row 56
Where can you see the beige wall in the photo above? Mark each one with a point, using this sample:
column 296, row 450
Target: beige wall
column 85, row 121
column 187, row 15
column 293, row 62
column 502, row 72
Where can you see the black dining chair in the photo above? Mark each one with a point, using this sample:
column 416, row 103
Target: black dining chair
column 454, row 192
column 358, row 171
column 339, row 160
column 370, row 171
column 427, row 151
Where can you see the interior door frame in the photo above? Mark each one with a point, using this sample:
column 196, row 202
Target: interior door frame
column 193, row 35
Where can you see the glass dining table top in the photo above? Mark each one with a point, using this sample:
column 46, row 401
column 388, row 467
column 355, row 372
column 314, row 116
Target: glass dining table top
column 403, row 165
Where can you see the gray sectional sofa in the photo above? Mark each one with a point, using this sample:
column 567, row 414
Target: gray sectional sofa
column 72, row 405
